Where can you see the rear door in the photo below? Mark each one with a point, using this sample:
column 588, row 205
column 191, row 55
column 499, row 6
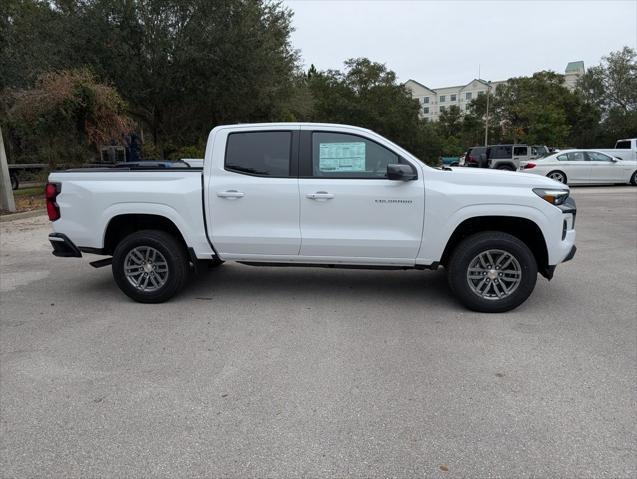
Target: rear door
column 576, row 166
column 253, row 193
column 350, row 211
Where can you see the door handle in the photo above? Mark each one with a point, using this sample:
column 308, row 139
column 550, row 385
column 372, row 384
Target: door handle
column 230, row 194
column 320, row 195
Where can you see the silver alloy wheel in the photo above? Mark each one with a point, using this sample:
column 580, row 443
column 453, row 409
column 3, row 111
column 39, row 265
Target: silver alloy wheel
column 146, row 268
column 494, row 274
column 557, row 176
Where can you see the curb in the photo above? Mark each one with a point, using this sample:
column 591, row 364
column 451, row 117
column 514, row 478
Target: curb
column 21, row 216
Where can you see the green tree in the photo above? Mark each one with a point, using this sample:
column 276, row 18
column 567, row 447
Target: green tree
column 611, row 88
column 69, row 107
column 183, row 66
column 537, row 110
column 367, row 94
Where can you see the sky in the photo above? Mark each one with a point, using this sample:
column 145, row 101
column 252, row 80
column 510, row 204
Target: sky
column 448, row 43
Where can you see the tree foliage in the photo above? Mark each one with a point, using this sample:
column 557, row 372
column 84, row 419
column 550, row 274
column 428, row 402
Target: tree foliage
column 183, row 66
column 70, row 105
column 611, row 87
column 367, row 94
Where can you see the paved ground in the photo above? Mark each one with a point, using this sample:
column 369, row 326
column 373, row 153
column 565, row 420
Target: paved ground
column 264, row 372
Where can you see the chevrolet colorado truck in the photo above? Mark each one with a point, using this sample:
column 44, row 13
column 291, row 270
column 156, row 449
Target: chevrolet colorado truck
column 314, row 194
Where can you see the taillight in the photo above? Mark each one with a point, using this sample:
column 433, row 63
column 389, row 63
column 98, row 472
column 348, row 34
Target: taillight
column 51, row 191
column 529, row 165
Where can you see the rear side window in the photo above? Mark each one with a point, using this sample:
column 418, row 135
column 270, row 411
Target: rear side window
column 261, row 153
column 339, row 155
column 625, row 145
column 520, row 150
column 571, row 156
column 501, row 152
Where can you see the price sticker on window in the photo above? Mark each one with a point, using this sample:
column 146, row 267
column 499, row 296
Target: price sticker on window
column 342, row 157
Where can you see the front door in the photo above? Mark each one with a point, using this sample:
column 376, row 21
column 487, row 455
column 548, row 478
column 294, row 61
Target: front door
column 603, row 168
column 350, row 211
column 254, row 194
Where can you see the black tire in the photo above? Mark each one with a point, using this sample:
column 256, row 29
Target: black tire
column 15, row 184
column 468, row 250
column 176, row 260
column 505, row 167
column 633, row 179
column 558, row 175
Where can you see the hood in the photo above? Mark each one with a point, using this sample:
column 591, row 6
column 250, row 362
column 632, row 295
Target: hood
column 489, row 177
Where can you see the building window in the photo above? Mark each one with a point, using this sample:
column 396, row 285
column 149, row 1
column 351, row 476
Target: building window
column 442, row 98
column 425, row 100
column 480, row 93
column 467, row 96
column 425, row 110
column 453, row 98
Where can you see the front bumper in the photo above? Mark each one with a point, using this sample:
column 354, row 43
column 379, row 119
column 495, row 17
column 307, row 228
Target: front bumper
column 63, row 246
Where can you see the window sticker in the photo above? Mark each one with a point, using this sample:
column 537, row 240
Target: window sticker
column 342, row 157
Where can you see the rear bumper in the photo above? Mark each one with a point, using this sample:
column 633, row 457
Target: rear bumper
column 63, row 246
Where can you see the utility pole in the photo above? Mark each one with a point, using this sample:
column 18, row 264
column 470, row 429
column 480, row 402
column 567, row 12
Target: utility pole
column 486, row 119
column 6, row 193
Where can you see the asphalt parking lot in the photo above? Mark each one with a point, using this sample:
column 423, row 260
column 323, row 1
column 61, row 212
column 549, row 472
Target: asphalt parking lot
column 288, row 372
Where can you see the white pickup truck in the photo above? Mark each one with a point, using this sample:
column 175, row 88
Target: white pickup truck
column 624, row 149
column 314, row 194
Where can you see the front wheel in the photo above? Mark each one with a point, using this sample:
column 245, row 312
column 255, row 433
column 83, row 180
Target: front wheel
column 150, row 266
column 492, row 272
column 633, row 179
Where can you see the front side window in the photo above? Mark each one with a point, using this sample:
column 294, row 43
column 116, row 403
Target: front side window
column 595, row 156
column 442, row 98
column 467, row 96
column 261, row 153
column 340, row 155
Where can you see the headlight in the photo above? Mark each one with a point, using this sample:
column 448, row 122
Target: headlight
column 553, row 196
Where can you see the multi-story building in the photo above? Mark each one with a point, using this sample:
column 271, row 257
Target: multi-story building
column 433, row 101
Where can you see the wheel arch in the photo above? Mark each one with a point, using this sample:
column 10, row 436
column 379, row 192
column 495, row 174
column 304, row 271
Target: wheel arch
column 526, row 230
column 122, row 225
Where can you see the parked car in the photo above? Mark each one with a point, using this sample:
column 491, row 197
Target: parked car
column 625, row 149
column 578, row 167
column 314, row 194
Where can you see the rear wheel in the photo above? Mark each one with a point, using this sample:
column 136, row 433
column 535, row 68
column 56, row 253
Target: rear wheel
column 633, row 179
column 150, row 266
column 506, row 167
column 492, row 272
column 557, row 176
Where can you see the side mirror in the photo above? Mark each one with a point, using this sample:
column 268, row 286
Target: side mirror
column 401, row 172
